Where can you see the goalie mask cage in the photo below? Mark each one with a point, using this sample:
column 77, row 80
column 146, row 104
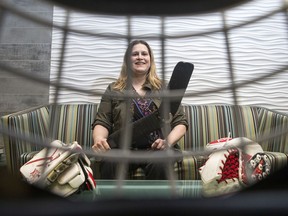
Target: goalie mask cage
column 162, row 38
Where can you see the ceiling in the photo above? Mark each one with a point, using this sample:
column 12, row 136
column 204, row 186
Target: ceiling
column 148, row 7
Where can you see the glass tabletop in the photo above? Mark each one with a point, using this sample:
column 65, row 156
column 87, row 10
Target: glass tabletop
column 106, row 189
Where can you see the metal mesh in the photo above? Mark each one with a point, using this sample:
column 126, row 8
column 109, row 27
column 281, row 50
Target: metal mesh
column 123, row 155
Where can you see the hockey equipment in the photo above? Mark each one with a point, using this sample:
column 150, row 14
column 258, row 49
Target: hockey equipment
column 235, row 164
column 62, row 169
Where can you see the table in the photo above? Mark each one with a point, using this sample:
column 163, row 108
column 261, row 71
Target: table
column 106, row 189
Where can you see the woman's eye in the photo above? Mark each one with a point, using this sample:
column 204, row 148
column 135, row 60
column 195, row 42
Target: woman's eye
column 142, row 54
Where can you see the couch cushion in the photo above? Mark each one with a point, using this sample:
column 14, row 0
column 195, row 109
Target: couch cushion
column 72, row 122
column 212, row 122
column 188, row 169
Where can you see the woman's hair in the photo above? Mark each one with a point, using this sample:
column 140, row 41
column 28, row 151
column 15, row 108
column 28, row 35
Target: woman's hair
column 152, row 76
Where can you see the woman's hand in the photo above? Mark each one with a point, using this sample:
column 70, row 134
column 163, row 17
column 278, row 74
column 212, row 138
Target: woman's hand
column 100, row 135
column 159, row 144
column 173, row 137
column 101, row 145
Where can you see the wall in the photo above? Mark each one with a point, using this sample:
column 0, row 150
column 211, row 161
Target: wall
column 25, row 45
column 91, row 62
column 93, row 56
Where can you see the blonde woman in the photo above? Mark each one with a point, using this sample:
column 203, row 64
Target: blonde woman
column 111, row 115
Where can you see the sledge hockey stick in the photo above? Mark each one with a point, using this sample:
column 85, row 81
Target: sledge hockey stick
column 178, row 81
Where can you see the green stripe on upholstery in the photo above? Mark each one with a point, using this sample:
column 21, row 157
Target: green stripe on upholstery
column 188, row 169
column 211, row 122
column 33, row 124
column 278, row 160
column 27, row 156
column 269, row 123
column 72, row 122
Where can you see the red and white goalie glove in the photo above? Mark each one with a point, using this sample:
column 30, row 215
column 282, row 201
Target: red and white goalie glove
column 62, row 169
column 234, row 164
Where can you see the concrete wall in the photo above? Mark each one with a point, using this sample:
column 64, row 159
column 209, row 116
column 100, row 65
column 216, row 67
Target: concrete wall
column 25, row 45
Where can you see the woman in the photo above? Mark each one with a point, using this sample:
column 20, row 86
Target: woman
column 111, row 114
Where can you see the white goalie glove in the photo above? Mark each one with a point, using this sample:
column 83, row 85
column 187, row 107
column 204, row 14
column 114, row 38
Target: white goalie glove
column 233, row 166
column 62, row 169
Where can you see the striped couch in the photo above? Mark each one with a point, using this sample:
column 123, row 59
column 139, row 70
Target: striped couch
column 207, row 123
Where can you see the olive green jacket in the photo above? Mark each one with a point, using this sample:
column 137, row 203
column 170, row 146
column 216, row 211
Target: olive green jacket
column 112, row 110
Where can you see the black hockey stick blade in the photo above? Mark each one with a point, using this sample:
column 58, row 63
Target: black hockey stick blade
column 178, row 84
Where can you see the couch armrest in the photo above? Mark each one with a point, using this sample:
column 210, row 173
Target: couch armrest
column 26, row 156
column 271, row 122
column 31, row 123
column 278, row 160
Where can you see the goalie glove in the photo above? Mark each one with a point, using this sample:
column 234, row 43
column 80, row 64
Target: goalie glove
column 232, row 166
column 61, row 169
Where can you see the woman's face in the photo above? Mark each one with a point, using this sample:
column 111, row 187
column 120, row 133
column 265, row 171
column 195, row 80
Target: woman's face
column 140, row 59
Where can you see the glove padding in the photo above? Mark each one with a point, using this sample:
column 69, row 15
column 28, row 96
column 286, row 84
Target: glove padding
column 233, row 166
column 62, row 169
